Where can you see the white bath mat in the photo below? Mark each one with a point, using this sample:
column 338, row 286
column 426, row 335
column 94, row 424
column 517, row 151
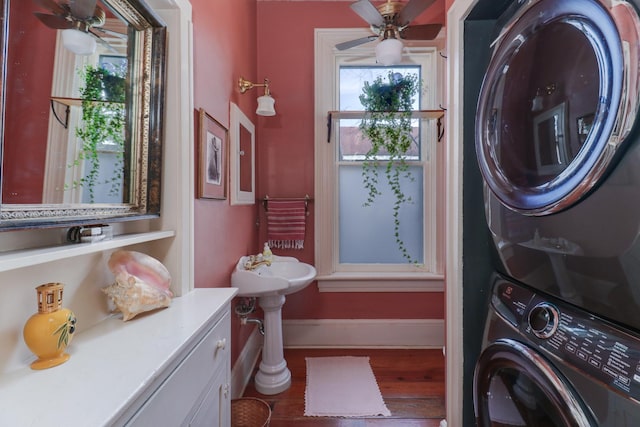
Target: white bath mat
column 342, row 386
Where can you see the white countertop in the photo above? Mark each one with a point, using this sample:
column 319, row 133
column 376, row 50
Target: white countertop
column 111, row 365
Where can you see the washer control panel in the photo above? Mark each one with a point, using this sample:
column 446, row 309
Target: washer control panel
column 593, row 345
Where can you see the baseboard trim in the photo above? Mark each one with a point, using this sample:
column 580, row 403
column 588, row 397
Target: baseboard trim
column 243, row 367
column 363, row 333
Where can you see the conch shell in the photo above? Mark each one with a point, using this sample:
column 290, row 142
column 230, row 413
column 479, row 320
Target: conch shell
column 142, row 283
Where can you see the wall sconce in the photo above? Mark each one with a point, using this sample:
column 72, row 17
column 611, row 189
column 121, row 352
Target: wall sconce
column 265, row 102
column 536, row 104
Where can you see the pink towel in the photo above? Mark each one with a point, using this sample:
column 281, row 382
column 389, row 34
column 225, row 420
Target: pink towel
column 286, row 224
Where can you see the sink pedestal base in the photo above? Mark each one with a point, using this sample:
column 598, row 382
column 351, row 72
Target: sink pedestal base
column 273, row 376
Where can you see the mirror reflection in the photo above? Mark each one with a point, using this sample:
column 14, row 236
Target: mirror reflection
column 64, row 134
column 83, row 101
column 544, row 109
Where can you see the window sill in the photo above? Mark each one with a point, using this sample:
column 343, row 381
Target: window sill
column 380, row 282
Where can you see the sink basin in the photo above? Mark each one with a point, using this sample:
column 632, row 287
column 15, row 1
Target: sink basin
column 284, row 276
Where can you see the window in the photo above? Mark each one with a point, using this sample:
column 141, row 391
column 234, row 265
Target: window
column 84, row 178
column 356, row 249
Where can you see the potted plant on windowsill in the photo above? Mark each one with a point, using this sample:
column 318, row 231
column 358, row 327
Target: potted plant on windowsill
column 387, row 125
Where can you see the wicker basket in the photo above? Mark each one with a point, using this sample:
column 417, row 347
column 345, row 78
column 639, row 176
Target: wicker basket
column 250, row 412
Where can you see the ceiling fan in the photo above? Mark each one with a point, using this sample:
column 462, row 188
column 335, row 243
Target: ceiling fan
column 390, row 23
column 82, row 22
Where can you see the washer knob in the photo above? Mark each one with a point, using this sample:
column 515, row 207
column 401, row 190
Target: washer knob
column 543, row 320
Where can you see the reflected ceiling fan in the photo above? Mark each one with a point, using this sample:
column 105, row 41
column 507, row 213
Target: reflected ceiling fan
column 390, row 23
column 82, row 22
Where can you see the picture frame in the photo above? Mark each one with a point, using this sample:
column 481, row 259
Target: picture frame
column 242, row 158
column 213, row 155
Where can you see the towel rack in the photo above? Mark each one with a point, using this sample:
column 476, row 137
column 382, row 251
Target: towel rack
column 306, row 199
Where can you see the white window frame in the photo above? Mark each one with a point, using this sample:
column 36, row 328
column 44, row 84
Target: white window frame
column 336, row 277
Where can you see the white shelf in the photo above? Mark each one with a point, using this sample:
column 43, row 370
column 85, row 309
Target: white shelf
column 417, row 114
column 29, row 257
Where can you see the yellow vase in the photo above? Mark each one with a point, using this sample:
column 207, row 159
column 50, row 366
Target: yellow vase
column 48, row 332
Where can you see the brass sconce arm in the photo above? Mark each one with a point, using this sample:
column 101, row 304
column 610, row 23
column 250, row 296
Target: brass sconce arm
column 246, row 85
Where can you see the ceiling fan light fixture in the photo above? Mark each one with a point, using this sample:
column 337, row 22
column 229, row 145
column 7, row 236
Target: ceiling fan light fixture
column 389, row 52
column 78, row 42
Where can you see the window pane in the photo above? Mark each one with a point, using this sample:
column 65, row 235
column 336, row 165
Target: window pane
column 352, row 145
column 367, row 232
column 352, row 80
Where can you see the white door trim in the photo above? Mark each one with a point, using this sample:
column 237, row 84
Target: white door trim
column 454, row 155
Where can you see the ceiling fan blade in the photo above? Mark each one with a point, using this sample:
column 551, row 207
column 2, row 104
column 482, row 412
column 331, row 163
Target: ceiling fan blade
column 354, row 43
column 102, row 41
column 108, row 32
column 368, row 12
column 82, row 9
column 52, row 6
column 421, row 32
column 115, row 26
column 54, row 21
column 412, row 10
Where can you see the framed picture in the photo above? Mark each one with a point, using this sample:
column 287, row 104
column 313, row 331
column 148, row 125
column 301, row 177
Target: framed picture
column 213, row 158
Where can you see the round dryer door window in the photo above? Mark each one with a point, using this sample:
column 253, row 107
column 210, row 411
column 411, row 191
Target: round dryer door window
column 515, row 386
column 558, row 100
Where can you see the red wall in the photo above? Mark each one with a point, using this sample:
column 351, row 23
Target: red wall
column 224, row 39
column 285, row 148
column 29, row 66
column 275, row 40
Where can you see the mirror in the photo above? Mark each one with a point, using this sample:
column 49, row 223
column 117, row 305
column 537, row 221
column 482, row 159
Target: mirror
column 81, row 131
column 242, row 158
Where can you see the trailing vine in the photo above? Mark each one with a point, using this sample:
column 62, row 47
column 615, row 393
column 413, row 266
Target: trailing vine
column 387, row 125
column 103, row 118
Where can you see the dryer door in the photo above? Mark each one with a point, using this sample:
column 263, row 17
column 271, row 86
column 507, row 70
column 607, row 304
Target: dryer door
column 515, row 386
column 559, row 98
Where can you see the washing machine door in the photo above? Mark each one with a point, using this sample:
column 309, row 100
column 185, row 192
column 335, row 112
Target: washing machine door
column 558, row 101
column 514, row 386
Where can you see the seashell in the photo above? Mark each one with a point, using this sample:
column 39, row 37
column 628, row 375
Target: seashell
column 142, row 283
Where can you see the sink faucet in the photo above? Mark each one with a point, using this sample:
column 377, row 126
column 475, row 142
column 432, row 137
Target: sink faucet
column 256, row 261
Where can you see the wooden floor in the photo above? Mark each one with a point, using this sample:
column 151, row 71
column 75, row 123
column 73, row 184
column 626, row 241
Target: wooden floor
column 411, row 383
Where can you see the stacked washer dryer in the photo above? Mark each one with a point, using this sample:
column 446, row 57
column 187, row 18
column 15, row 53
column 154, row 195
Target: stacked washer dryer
column 558, row 146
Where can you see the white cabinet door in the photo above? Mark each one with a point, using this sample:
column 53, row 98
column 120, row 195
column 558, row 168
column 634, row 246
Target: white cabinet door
column 178, row 397
column 216, row 405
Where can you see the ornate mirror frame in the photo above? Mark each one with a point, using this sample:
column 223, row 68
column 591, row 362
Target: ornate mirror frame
column 145, row 110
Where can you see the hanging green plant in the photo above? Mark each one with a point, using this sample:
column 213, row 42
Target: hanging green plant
column 387, row 125
column 103, row 118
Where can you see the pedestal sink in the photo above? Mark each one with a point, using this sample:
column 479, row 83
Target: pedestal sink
column 270, row 284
